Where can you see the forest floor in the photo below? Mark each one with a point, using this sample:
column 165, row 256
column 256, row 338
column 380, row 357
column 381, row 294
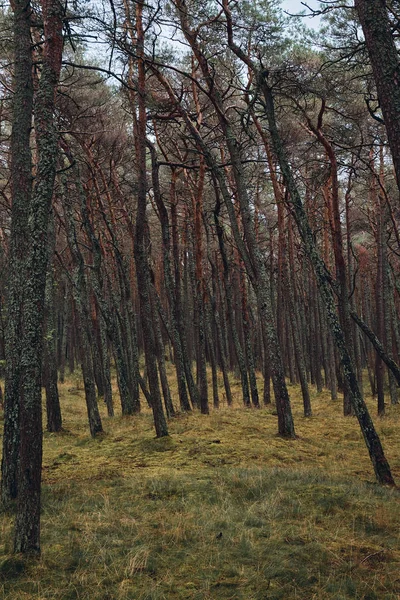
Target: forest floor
column 221, row 509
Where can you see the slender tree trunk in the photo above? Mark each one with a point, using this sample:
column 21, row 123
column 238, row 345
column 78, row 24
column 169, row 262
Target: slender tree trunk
column 49, row 371
column 392, row 333
column 220, row 341
column 169, row 407
column 291, row 285
column 80, row 294
column 200, row 294
column 103, row 345
column 332, row 201
column 165, row 232
column 228, row 292
column 211, row 353
column 380, row 311
column 141, row 258
column 248, row 342
column 63, row 331
column 177, row 305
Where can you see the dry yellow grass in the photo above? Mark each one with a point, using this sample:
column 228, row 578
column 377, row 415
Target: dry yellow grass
column 228, row 436
column 223, row 508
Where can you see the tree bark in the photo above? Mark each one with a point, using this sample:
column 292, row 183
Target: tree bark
column 384, row 59
column 141, row 258
column 27, row 523
column 21, row 182
column 50, row 375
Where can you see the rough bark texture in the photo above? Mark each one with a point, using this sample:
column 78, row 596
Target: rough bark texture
column 27, row 524
column 50, row 375
column 384, row 59
column 21, row 181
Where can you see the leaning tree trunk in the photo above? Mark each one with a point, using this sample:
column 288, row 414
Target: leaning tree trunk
column 378, row 459
column 331, row 194
column 324, row 279
column 250, row 251
column 383, row 54
column 229, row 300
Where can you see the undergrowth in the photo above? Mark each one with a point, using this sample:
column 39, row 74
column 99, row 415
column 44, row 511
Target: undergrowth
column 221, row 509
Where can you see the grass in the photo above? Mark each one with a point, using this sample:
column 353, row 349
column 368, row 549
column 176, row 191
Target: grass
column 221, row 509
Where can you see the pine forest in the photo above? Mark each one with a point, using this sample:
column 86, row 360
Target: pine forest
column 200, row 299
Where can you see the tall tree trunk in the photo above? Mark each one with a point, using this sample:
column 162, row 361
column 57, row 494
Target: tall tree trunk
column 177, row 305
column 27, row 523
column 50, row 375
column 166, row 240
column 229, row 300
column 21, row 182
column 105, row 358
column 331, row 194
column 220, row 340
column 380, row 42
column 200, row 294
column 296, row 328
column 84, row 331
column 63, row 325
column 380, row 308
column 141, row 258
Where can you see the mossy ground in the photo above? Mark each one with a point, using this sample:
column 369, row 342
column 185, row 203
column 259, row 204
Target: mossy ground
column 221, row 509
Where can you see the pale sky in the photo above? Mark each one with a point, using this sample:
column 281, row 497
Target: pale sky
column 295, row 6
